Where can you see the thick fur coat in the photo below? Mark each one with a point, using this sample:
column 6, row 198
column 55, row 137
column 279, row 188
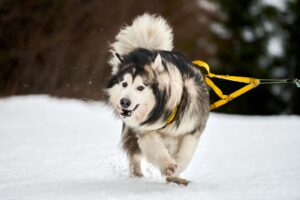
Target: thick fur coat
column 151, row 84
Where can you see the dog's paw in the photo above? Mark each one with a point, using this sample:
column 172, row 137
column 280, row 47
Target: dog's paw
column 170, row 170
column 177, row 180
column 137, row 174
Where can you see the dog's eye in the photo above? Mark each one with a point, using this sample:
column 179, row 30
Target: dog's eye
column 124, row 84
column 140, row 88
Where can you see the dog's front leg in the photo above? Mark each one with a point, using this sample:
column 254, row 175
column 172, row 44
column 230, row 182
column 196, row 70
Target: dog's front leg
column 188, row 145
column 183, row 157
column 154, row 150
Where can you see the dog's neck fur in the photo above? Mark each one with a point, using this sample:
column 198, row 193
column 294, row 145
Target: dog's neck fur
column 170, row 81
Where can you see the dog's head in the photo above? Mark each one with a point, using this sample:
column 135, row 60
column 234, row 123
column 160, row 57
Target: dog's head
column 134, row 90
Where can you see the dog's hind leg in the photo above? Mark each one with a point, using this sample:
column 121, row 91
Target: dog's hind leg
column 153, row 148
column 177, row 180
column 131, row 147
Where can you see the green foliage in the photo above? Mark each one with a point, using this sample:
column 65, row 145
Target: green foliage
column 243, row 38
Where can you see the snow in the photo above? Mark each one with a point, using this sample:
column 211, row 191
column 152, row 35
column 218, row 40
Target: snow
column 279, row 4
column 220, row 30
column 69, row 149
column 207, row 5
column 275, row 46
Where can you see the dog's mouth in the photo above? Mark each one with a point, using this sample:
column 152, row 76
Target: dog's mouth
column 127, row 113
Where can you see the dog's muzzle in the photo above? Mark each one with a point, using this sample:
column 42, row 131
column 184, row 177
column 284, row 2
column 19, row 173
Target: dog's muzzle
column 128, row 113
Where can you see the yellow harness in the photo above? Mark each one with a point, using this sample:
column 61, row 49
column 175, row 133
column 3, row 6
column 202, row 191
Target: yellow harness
column 225, row 98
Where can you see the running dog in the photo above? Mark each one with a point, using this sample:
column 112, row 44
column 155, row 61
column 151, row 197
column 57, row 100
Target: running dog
column 160, row 96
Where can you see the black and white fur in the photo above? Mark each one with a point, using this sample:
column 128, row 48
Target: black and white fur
column 149, row 80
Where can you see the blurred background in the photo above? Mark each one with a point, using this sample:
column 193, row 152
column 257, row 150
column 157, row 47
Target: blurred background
column 60, row 47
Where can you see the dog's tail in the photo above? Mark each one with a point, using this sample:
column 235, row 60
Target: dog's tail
column 147, row 31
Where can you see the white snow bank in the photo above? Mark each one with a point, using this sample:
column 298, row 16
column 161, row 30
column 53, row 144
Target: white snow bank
column 68, row 149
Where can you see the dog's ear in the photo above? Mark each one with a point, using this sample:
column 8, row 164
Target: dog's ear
column 119, row 57
column 157, row 64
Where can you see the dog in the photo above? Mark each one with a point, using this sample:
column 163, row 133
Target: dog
column 160, row 96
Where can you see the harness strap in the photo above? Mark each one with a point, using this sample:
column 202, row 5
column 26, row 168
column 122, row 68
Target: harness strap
column 224, row 98
column 174, row 113
column 172, row 116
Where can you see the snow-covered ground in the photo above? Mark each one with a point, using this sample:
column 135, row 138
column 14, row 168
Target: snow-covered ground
column 68, row 149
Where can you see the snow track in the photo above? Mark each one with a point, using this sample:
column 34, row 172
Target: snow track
column 68, row 149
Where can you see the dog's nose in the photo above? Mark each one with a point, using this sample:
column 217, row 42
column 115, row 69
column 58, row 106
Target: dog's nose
column 125, row 102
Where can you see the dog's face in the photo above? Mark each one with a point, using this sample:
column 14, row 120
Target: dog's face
column 132, row 97
column 131, row 91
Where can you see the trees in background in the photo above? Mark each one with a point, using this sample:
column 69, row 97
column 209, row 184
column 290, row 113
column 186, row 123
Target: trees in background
column 59, row 47
column 259, row 39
